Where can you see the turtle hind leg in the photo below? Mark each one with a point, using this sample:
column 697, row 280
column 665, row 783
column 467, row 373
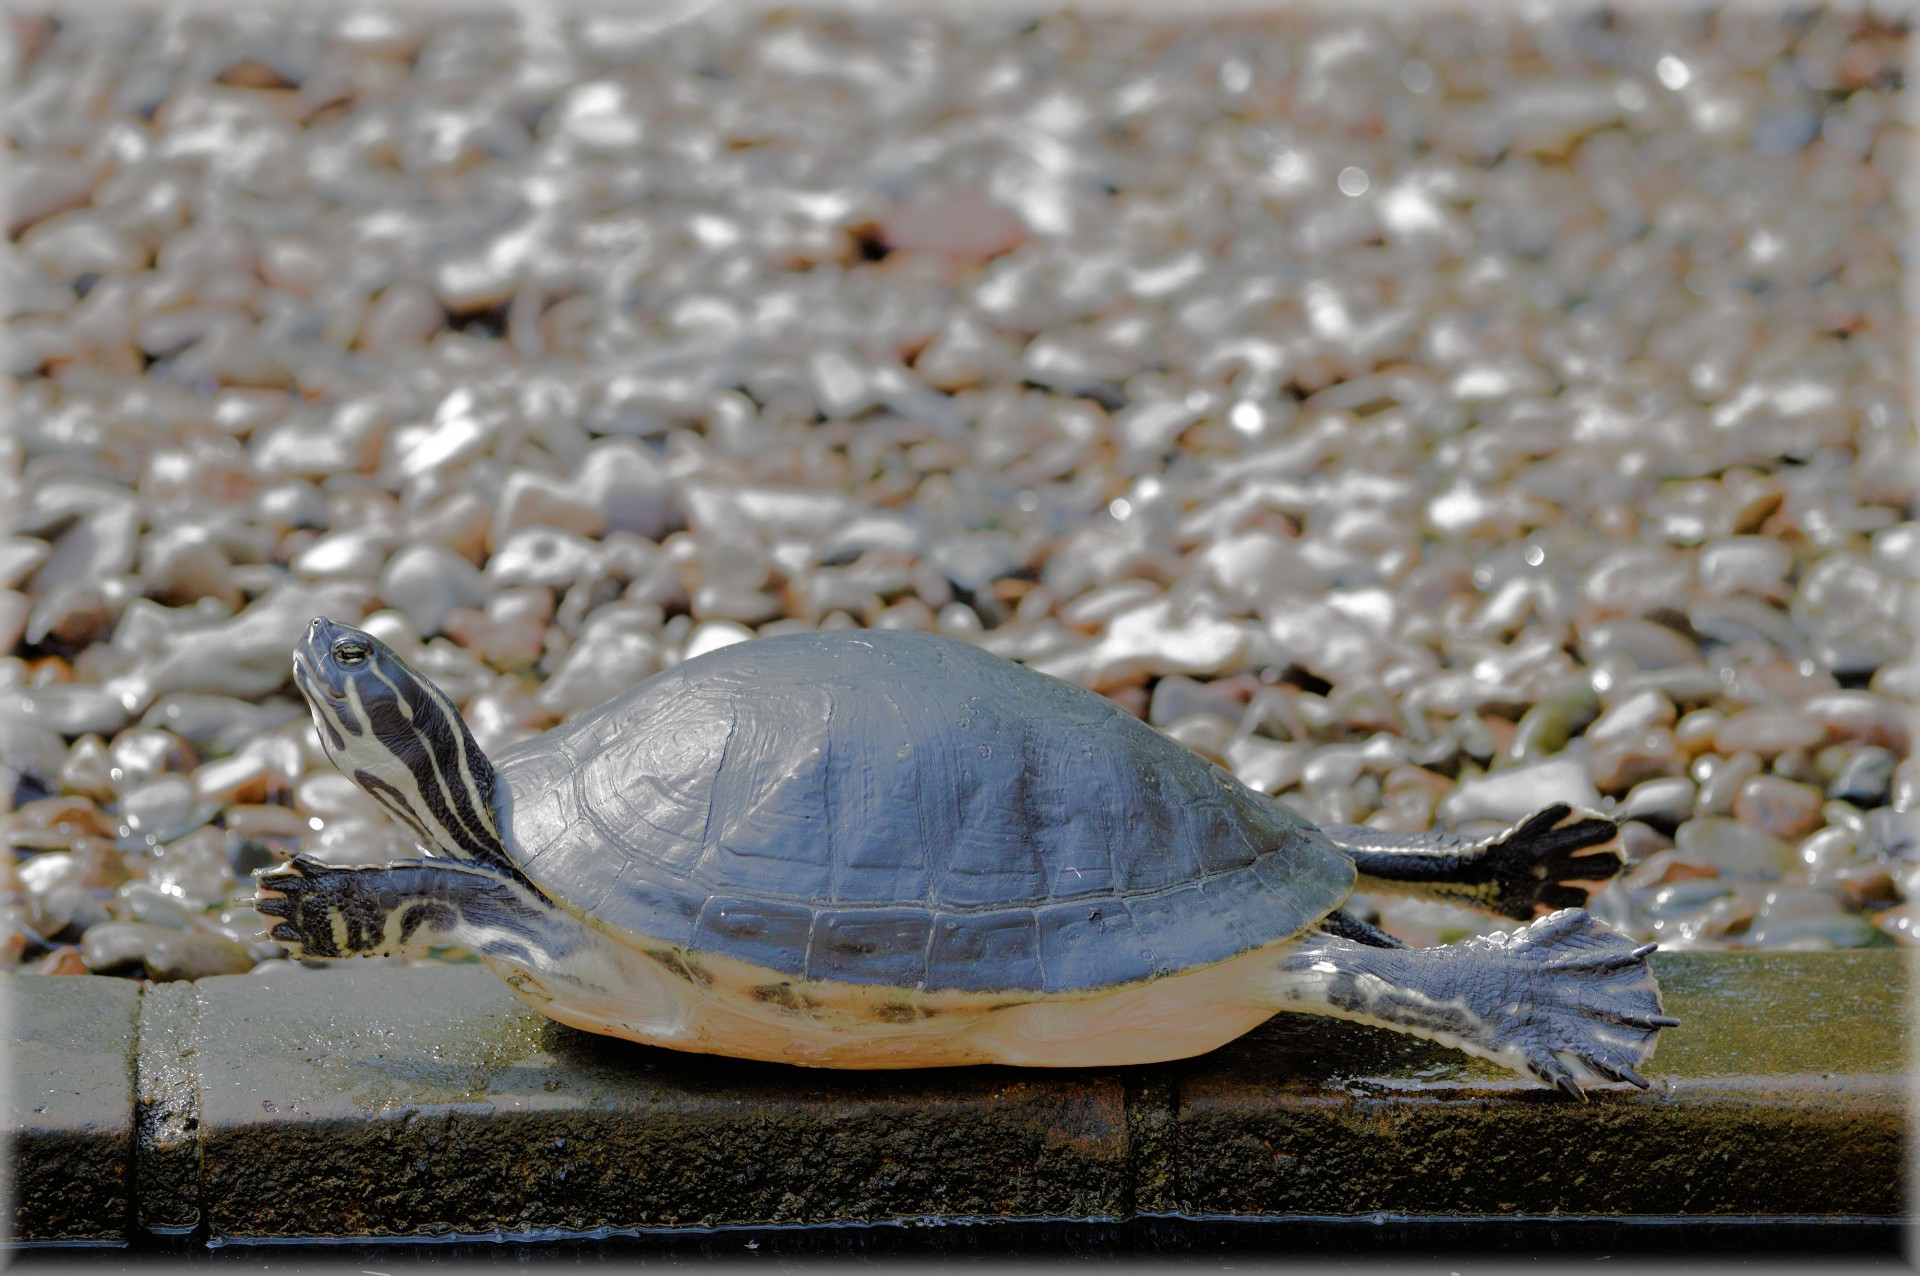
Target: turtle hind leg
column 1553, row 859
column 1565, row 1000
column 406, row 908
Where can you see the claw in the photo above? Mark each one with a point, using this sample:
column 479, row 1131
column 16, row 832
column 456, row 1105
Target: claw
column 1545, row 818
column 1548, row 1068
column 1616, row 1071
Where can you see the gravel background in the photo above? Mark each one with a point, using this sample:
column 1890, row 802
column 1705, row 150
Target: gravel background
column 1426, row 416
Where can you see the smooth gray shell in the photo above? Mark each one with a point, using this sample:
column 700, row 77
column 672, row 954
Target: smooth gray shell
column 901, row 809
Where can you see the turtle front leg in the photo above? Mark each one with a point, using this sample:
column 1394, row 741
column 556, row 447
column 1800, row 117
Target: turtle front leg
column 405, row 908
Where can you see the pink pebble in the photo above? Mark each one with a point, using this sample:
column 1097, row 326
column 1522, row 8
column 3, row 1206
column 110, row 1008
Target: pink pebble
column 1767, row 732
column 967, row 226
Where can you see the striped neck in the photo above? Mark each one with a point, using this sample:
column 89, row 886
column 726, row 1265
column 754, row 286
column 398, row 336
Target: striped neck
column 402, row 741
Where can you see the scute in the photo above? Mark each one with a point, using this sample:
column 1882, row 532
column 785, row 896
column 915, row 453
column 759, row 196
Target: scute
column 903, row 809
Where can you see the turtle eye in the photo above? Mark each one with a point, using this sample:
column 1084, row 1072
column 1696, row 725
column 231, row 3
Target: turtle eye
column 351, row 651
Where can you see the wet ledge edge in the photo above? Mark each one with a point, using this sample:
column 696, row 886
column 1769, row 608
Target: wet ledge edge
column 427, row 1101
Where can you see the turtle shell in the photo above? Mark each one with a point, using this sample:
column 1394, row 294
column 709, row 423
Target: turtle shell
column 902, row 809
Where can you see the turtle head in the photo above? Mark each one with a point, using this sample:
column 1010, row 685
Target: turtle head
column 400, row 739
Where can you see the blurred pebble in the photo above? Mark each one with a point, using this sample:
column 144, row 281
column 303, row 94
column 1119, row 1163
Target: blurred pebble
column 962, row 225
column 1720, row 780
column 1683, row 894
column 711, row 635
column 1745, row 564
column 1546, row 727
column 1696, row 731
column 1641, row 643
column 217, row 725
column 1739, row 619
column 1862, row 716
column 403, row 315
column 140, row 755
column 349, row 554
column 1844, row 815
column 1519, row 791
column 248, row 820
column 1780, row 807
column 1640, row 841
column 1733, row 849
column 1901, row 923
column 70, row 710
column 1892, row 832
column 1663, row 868
column 1632, row 716
column 1725, row 915
column 427, row 580
column 243, row 778
column 1826, row 853
column 538, row 500
column 64, row 960
column 1867, row 778
column 1622, row 763
column 1791, row 913
column 605, row 662
column 195, row 868
column 1766, row 732
column 163, row 809
column 162, row 954
column 629, row 489
column 1209, row 735
column 88, row 770
column 1266, row 765
column 56, row 896
column 142, row 901
column 542, row 556
column 1665, row 801
column 1905, row 793
column 1865, row 885
column 1175, row 696
column 349, row 841
column 182, row 565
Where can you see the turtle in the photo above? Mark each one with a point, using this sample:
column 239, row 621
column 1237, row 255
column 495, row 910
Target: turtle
column 891, row 849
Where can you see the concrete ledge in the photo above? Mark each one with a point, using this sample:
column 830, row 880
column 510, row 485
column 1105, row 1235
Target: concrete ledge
column 391, row 1102
column 1784, row 1092
column 69, row 1106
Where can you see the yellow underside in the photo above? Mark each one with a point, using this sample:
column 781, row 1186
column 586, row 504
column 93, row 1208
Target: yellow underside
column 715, row 1005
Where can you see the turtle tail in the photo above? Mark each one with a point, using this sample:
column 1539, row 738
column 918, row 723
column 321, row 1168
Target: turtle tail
column 1556, row 858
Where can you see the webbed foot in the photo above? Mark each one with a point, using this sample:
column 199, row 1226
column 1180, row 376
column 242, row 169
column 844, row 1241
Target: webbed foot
column 328, row 910
column 1565, row 1000
column 1588, row 1009
column 1558, row 857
